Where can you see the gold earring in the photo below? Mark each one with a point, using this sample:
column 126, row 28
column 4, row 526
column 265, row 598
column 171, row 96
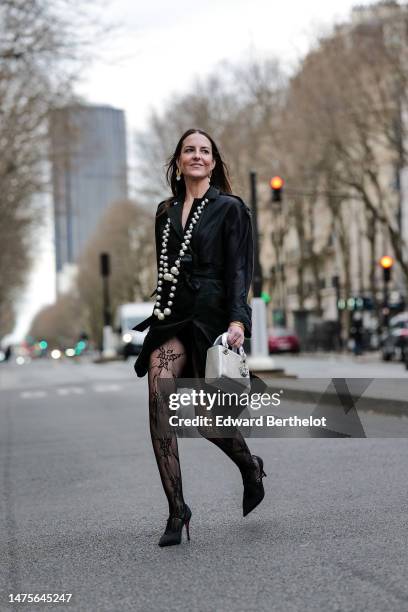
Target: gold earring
column 178, row 175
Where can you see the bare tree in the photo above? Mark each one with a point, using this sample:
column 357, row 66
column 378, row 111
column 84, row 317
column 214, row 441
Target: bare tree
column 126, row 232
column 42, row 47
column 59, row 324
column 238, row 105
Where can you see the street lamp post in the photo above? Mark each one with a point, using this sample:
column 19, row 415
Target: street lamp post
column 259, row 359
column 257, row 281
column 276, row 184
column 108, row 341
column 386, row 262
column 336, row 285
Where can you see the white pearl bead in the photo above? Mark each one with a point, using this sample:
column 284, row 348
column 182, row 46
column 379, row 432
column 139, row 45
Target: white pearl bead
column 159, row 282
column 173, row 287
column 169, row 303
column 159, row 289
column 177, row 262
column 183, row 244
column 194, row 221
column 173, row 270
column 167, row 311
column 156, row 311
column 160, row 275
column 187, row 241
column 171, row 294
column 160, row 316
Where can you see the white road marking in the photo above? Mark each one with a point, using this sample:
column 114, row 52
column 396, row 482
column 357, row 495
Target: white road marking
column 70, row 391
column 63, row 391
column 103, row 388
column 32, row 394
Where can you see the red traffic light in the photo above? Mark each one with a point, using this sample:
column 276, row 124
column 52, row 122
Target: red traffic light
column 386, row 261
column 276, row 182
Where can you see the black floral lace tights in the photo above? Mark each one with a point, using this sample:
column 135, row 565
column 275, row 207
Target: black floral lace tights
column 166, row 364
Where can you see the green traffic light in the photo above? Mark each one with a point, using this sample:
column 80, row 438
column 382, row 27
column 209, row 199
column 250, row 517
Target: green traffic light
column 43, row 345
column 80, row 346
column 266, row 297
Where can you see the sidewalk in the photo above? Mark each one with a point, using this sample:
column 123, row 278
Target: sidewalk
column 384, row 385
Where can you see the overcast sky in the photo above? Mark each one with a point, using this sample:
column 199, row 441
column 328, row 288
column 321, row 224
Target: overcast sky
column 160, row 47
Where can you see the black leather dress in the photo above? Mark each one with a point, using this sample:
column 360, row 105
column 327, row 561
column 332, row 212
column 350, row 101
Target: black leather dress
column 215, row 276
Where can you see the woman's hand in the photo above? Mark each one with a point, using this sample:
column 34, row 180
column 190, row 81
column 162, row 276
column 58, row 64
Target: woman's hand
column 235, row 336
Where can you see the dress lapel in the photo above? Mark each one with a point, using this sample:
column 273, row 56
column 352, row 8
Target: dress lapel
column 174, row 214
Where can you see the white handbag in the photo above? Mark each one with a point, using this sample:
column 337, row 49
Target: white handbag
column 227, row 368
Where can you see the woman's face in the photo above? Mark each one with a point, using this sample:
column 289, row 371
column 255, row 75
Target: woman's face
column 196, row 159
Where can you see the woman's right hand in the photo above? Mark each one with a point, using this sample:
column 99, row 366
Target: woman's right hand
column 235, row 336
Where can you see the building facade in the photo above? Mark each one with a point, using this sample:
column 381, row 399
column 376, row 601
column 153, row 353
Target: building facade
column 318, row 283
column 89, row 173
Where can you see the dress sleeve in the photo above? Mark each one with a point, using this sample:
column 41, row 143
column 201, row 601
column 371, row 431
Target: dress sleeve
column 239, row 262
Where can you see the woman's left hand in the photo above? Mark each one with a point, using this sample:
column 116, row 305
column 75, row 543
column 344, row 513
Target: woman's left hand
column 235, row 336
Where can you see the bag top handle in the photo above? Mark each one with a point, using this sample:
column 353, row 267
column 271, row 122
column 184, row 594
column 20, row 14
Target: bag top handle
column 222, row 339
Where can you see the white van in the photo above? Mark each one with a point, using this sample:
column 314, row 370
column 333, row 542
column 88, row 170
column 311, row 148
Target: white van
column 129, row 342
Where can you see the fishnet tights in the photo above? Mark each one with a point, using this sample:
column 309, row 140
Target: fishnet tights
column 166, row 364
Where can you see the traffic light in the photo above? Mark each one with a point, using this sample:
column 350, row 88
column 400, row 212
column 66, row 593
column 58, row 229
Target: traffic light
column 80, row 346
column 276, row 184
column 386, row 262
column 104, row 264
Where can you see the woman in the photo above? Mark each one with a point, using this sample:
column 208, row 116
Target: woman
column 204, row 254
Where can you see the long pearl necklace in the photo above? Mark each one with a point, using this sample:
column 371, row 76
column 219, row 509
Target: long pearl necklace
column 164, row 274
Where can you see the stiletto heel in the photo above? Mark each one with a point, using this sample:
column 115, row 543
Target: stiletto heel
column 174, row 528
column 253, row 489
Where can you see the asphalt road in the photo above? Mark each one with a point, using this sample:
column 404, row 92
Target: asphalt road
column 82, row 509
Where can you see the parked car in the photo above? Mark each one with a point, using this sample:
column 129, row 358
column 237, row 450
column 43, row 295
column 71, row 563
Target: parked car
column 394, row 344
column 283, row 340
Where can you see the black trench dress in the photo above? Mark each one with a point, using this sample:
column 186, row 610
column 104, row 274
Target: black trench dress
column 214, row 280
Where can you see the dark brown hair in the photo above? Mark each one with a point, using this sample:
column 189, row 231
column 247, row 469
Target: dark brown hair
column 219, row 176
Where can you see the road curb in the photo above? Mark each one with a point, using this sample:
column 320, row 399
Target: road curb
column 366, row 403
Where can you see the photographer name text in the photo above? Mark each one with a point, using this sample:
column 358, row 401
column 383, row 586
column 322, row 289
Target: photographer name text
column 259, row 421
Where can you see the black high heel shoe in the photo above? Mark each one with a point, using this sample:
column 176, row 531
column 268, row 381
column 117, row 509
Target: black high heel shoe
column 253, row 489
column 174, row 528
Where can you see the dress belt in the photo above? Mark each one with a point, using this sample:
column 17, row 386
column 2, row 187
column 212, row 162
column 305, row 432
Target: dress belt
column 207, row 272
column 189, row 274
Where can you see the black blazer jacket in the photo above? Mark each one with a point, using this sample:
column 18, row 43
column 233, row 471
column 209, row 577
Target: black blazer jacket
column 215, row 272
